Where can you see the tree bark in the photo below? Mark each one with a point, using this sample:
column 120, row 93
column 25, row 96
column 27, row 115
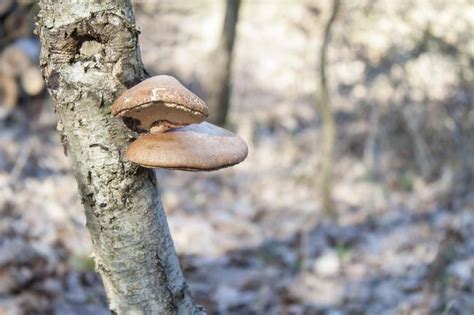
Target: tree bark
column 89, row 56
column 329, row 124
column 218, row 80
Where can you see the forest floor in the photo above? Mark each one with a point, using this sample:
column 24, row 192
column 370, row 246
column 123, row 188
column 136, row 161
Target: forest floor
column 253, row 239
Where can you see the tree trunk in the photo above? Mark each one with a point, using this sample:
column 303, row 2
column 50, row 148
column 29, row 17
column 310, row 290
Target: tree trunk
column 89, row 56
column 218, row 82
column 327, row 116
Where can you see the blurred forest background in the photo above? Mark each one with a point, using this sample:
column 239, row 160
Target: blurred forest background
column 258, row 238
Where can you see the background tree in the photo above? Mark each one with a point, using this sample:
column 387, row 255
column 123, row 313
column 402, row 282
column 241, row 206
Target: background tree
column 217, row 86
column 327, row 117
column 89, row 56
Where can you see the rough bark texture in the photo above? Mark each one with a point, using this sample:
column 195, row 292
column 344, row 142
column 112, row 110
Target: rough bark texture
column 329, row 124
column 90, row 56
column 218, row 80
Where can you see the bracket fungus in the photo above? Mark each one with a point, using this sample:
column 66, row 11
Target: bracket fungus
column 158, row 104
column 197, row 147
column 176, row 135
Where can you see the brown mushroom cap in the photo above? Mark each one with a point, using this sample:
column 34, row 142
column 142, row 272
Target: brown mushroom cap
column 158, row 104
column 198, row 147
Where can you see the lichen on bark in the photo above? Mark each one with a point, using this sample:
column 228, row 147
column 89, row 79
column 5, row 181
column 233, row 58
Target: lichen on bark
column 89, row 56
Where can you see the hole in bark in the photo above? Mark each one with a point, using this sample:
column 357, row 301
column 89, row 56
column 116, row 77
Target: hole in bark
column 87, row 42
column 90, row 48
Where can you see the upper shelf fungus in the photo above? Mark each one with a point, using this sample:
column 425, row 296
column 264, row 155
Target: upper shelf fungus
column 158, row 104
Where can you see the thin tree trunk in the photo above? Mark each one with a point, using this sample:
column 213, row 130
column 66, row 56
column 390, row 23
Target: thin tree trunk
column 218, row 82
column 413, row 117
column 90, row 56
column 371, row 147
column 327, row 116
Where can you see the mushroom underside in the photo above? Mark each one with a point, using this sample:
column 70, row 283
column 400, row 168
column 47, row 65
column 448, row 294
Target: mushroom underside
column 159, row 117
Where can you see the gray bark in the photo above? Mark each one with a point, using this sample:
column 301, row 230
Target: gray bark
column 219, row 76
column 89, row 56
